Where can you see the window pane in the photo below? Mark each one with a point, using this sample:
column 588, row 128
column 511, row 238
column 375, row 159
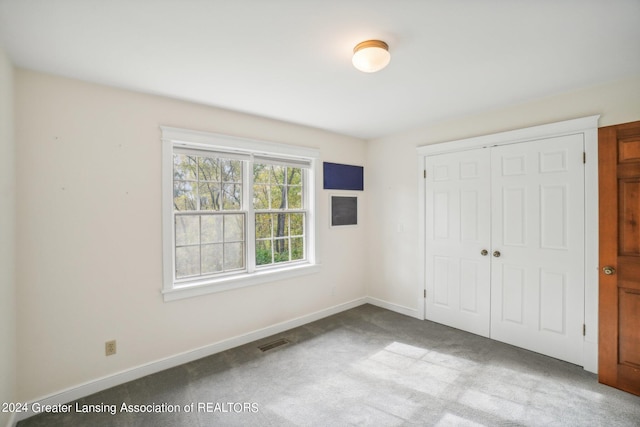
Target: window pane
column 209, row 196
column 261, row 173
column 263, row 252
column 187, row 230
column 280, row 225
column 211, row 229
column 261, row 196
column 263, row 226
column 294, row 176
column 211, row 258
column 233, row 228
column 184, row 167
column 231, row 170
column 209, row 169
column 297, row 248
column 232, row 196
column 187, row 261
column 294, row 197
column 297, row 224
column 233, row 256
column 277, row 197
column 185, row 196
column 277, row 174
column 281, row 250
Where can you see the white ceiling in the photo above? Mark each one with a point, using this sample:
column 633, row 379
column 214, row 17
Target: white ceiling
column 291, row 59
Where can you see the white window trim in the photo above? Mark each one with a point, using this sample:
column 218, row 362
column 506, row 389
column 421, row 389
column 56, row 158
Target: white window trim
column 176, row 137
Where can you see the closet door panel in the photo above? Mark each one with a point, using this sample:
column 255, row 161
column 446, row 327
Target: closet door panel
column 537, row 284
column 458, row 228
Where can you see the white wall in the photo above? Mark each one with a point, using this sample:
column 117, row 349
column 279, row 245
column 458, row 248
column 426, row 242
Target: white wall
column 88, row 230
column 7, row 237
column 393, row 177
column 89, row 235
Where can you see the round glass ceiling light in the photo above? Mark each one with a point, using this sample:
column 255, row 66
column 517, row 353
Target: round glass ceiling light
column 371, row 56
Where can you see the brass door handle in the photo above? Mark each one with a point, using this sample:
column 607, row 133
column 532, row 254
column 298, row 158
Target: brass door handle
column 484, row 252
column 496, row 254
column 608, row 270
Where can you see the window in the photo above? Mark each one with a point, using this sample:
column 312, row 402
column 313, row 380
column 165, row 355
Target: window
column 279, row 213
column 209, row 223
column 236, row 212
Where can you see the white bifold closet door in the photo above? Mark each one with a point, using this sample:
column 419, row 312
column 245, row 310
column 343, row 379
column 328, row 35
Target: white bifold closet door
column 537, row 283
column 458, row 221
column 524, row 204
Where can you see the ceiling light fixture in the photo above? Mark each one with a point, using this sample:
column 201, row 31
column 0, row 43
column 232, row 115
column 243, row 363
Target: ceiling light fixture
column 371, row 56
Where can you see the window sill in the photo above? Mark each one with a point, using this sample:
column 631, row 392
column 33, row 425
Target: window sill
column 238, row 281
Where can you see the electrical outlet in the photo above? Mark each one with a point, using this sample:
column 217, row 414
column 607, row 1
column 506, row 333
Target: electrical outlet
column 110, row 348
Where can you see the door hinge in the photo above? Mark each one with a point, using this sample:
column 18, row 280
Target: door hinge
column 425, row 173
column 425, row 293
column 584, row 330
column 584, row 157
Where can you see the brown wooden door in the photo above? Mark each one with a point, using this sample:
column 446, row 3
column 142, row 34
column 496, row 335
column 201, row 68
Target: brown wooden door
column 619, row 309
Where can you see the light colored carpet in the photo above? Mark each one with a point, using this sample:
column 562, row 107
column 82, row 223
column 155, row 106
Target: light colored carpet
column 367, row 367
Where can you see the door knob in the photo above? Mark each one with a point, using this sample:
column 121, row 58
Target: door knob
column 496, row 254
column 484, row 252
column 608, row 270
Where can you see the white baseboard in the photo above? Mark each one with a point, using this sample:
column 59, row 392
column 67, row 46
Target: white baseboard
column 12, row 420
column 411, row 312
column 97, row 385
